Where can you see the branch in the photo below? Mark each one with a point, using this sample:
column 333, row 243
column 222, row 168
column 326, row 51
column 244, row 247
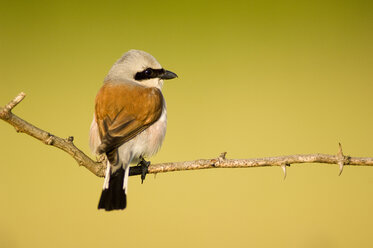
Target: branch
column 67, row 145
column 98, row 167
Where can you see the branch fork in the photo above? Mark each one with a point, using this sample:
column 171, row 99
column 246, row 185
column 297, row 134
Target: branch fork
column 6, row 111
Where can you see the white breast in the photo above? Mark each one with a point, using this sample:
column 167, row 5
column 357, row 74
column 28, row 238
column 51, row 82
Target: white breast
column 147, row 143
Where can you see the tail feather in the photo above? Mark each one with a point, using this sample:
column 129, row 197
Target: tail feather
column 114, row 197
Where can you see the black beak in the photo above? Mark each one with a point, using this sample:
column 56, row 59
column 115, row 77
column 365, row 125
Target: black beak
column 168, row 75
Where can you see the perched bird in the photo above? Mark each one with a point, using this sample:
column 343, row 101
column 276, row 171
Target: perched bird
column 129, row 122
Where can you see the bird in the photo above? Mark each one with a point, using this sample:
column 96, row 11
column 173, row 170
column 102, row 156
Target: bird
column 129, row 122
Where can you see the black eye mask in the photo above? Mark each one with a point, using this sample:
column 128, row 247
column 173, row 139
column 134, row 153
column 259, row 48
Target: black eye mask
column 149, row 73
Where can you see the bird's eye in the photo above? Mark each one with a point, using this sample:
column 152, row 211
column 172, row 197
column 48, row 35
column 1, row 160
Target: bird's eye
column 148, row 72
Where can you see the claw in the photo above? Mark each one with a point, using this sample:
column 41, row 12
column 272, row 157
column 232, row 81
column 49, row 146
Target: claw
column 144, row 168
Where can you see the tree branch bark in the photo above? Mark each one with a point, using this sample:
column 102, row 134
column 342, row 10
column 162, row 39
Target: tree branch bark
column 98, row 167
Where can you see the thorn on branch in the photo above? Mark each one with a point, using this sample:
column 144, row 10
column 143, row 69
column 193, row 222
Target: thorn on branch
column 221, row 157
column 283, row 166
column 70, row 139
column 341, row 159
column 49, row 140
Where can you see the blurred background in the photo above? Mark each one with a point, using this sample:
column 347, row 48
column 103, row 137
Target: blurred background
column 256, row 79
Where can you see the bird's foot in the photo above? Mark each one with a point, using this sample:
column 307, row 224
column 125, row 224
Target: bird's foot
column 144, row 168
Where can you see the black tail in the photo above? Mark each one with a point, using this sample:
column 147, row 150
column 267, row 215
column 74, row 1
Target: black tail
column 114, row 197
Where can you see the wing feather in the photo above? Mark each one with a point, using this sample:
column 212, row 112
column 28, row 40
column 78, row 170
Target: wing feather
column 123, row 110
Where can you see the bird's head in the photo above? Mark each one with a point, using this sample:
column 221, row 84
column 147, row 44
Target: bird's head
column 141, row 67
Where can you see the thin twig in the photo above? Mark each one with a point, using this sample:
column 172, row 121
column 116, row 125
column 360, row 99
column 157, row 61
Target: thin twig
column 98, row 167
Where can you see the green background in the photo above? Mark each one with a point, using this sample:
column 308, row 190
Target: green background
column 256, row 78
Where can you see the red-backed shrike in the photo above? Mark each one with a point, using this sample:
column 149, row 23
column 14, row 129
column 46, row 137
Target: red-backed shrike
column 129, row 122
